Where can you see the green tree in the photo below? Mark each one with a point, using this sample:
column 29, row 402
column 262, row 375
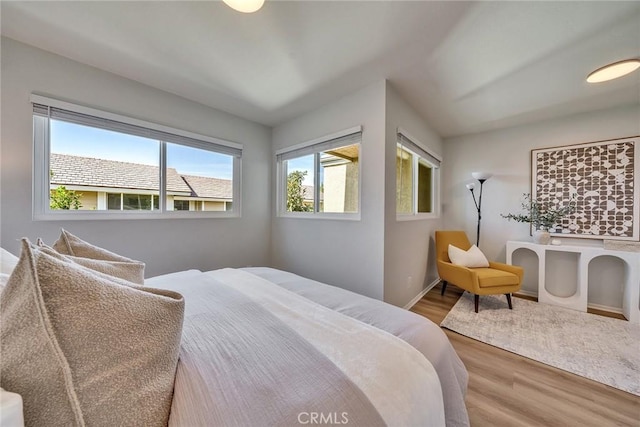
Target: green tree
column 295, row 192
column 61, row 198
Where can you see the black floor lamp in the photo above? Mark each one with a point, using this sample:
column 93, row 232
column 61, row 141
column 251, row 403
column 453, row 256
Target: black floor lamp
column 482, row 177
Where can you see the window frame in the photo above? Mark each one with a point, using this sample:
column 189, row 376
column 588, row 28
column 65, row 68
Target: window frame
column 315, row 147
column 419, row 152
column 41, row 167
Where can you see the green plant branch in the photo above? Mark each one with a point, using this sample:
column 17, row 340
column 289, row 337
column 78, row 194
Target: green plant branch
column 541, row 215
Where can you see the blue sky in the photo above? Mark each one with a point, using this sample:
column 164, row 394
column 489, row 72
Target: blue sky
column 73, row 139
column 302, row 163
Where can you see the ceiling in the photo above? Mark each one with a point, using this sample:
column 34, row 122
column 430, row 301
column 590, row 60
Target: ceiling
column 466, row 67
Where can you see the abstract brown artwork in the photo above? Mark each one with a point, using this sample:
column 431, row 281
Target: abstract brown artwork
column 602, row 176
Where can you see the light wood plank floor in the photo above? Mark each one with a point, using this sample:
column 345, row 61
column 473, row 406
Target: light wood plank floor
column 506, row 389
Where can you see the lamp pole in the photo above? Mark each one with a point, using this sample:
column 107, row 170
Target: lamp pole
column 481, row 177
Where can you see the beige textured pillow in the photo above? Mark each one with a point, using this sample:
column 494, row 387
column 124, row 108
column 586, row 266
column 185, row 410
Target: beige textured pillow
column 132, row 271
column 68, row 244
column 82, row 349
column 129, row 269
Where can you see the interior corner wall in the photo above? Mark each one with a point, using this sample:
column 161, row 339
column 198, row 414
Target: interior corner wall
column 409, row 246
column 344, row 253
column 166, row 245
column 506, row 154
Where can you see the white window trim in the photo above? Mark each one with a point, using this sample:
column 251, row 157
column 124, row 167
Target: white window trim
column 41, row 156
column 436, row 184
column 281, row 181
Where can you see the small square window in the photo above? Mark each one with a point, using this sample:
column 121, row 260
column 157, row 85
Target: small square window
column 322, row 177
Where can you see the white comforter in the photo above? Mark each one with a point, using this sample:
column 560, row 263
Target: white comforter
column 398, row 380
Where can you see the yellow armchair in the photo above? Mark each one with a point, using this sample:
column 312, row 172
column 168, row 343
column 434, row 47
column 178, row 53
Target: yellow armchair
column 498, row 278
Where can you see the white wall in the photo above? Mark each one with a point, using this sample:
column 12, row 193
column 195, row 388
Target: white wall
column 376, row 255
column 409, row 247
column 165, row 245
column 506, row 154
column 344, row 253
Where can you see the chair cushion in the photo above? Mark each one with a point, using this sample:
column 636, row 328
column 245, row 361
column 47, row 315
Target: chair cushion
column 491, row 277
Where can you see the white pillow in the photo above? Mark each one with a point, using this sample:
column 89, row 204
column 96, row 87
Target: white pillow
column 471, row 258
column 4, row 278
column 7, row 261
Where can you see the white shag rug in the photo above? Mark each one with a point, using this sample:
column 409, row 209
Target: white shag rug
column 599, row 348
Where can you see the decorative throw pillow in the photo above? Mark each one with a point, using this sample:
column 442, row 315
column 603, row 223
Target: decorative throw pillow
column 7, row 261
column 131, row 271
column 68, row 244
column 83, row 252
column 82, row 349
column 471, row 258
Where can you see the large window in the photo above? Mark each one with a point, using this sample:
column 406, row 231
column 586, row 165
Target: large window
column 417, row 179
column 93, row 164
column 321, row 176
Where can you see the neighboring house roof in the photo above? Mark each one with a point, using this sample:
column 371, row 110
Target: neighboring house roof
column 92, row 172
column 203, row 186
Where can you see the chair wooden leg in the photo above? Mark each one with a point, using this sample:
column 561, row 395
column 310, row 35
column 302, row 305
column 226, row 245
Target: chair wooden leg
column 476, row 300
column 509, row 301
column 444, row 286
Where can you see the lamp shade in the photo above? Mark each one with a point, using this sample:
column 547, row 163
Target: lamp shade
column 481, row 176
column 471, row 186
column 245, row 6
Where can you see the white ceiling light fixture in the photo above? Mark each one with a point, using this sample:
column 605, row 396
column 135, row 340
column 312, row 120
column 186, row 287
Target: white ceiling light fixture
column 245, row 6
column 613, row 71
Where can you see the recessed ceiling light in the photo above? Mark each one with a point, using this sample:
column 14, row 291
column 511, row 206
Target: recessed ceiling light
column 613, row 71
column 245, row 6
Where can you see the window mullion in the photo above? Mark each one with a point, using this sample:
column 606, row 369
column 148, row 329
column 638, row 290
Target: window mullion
column 281, row 192
column 399, row 193
column 47, row 161
column 416, row 164
column 316, row 182
column 162, row 189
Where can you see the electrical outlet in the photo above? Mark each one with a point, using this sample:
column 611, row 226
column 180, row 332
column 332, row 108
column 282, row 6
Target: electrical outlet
column 409, row 280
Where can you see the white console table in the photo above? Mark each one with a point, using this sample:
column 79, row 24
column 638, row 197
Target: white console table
column 578, row 301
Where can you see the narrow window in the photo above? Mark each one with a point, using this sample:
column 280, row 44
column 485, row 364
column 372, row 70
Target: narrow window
column 339, row 179
column 300, row 175
column 417, row 179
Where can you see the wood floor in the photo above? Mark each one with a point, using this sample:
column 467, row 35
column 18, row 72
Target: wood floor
column 506, row 389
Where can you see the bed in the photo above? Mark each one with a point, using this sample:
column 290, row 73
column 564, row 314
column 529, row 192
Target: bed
column 236, row 347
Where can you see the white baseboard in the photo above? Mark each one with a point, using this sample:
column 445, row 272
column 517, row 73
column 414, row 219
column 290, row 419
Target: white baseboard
column 605, row 308
column 421, row 294
column 527, row 293
column 617, row 310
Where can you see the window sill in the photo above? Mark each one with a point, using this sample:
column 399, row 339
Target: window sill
column 416, row 217
column 131, row 215
column 321, row 216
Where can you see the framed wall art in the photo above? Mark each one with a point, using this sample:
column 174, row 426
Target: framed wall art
column 602, row 176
